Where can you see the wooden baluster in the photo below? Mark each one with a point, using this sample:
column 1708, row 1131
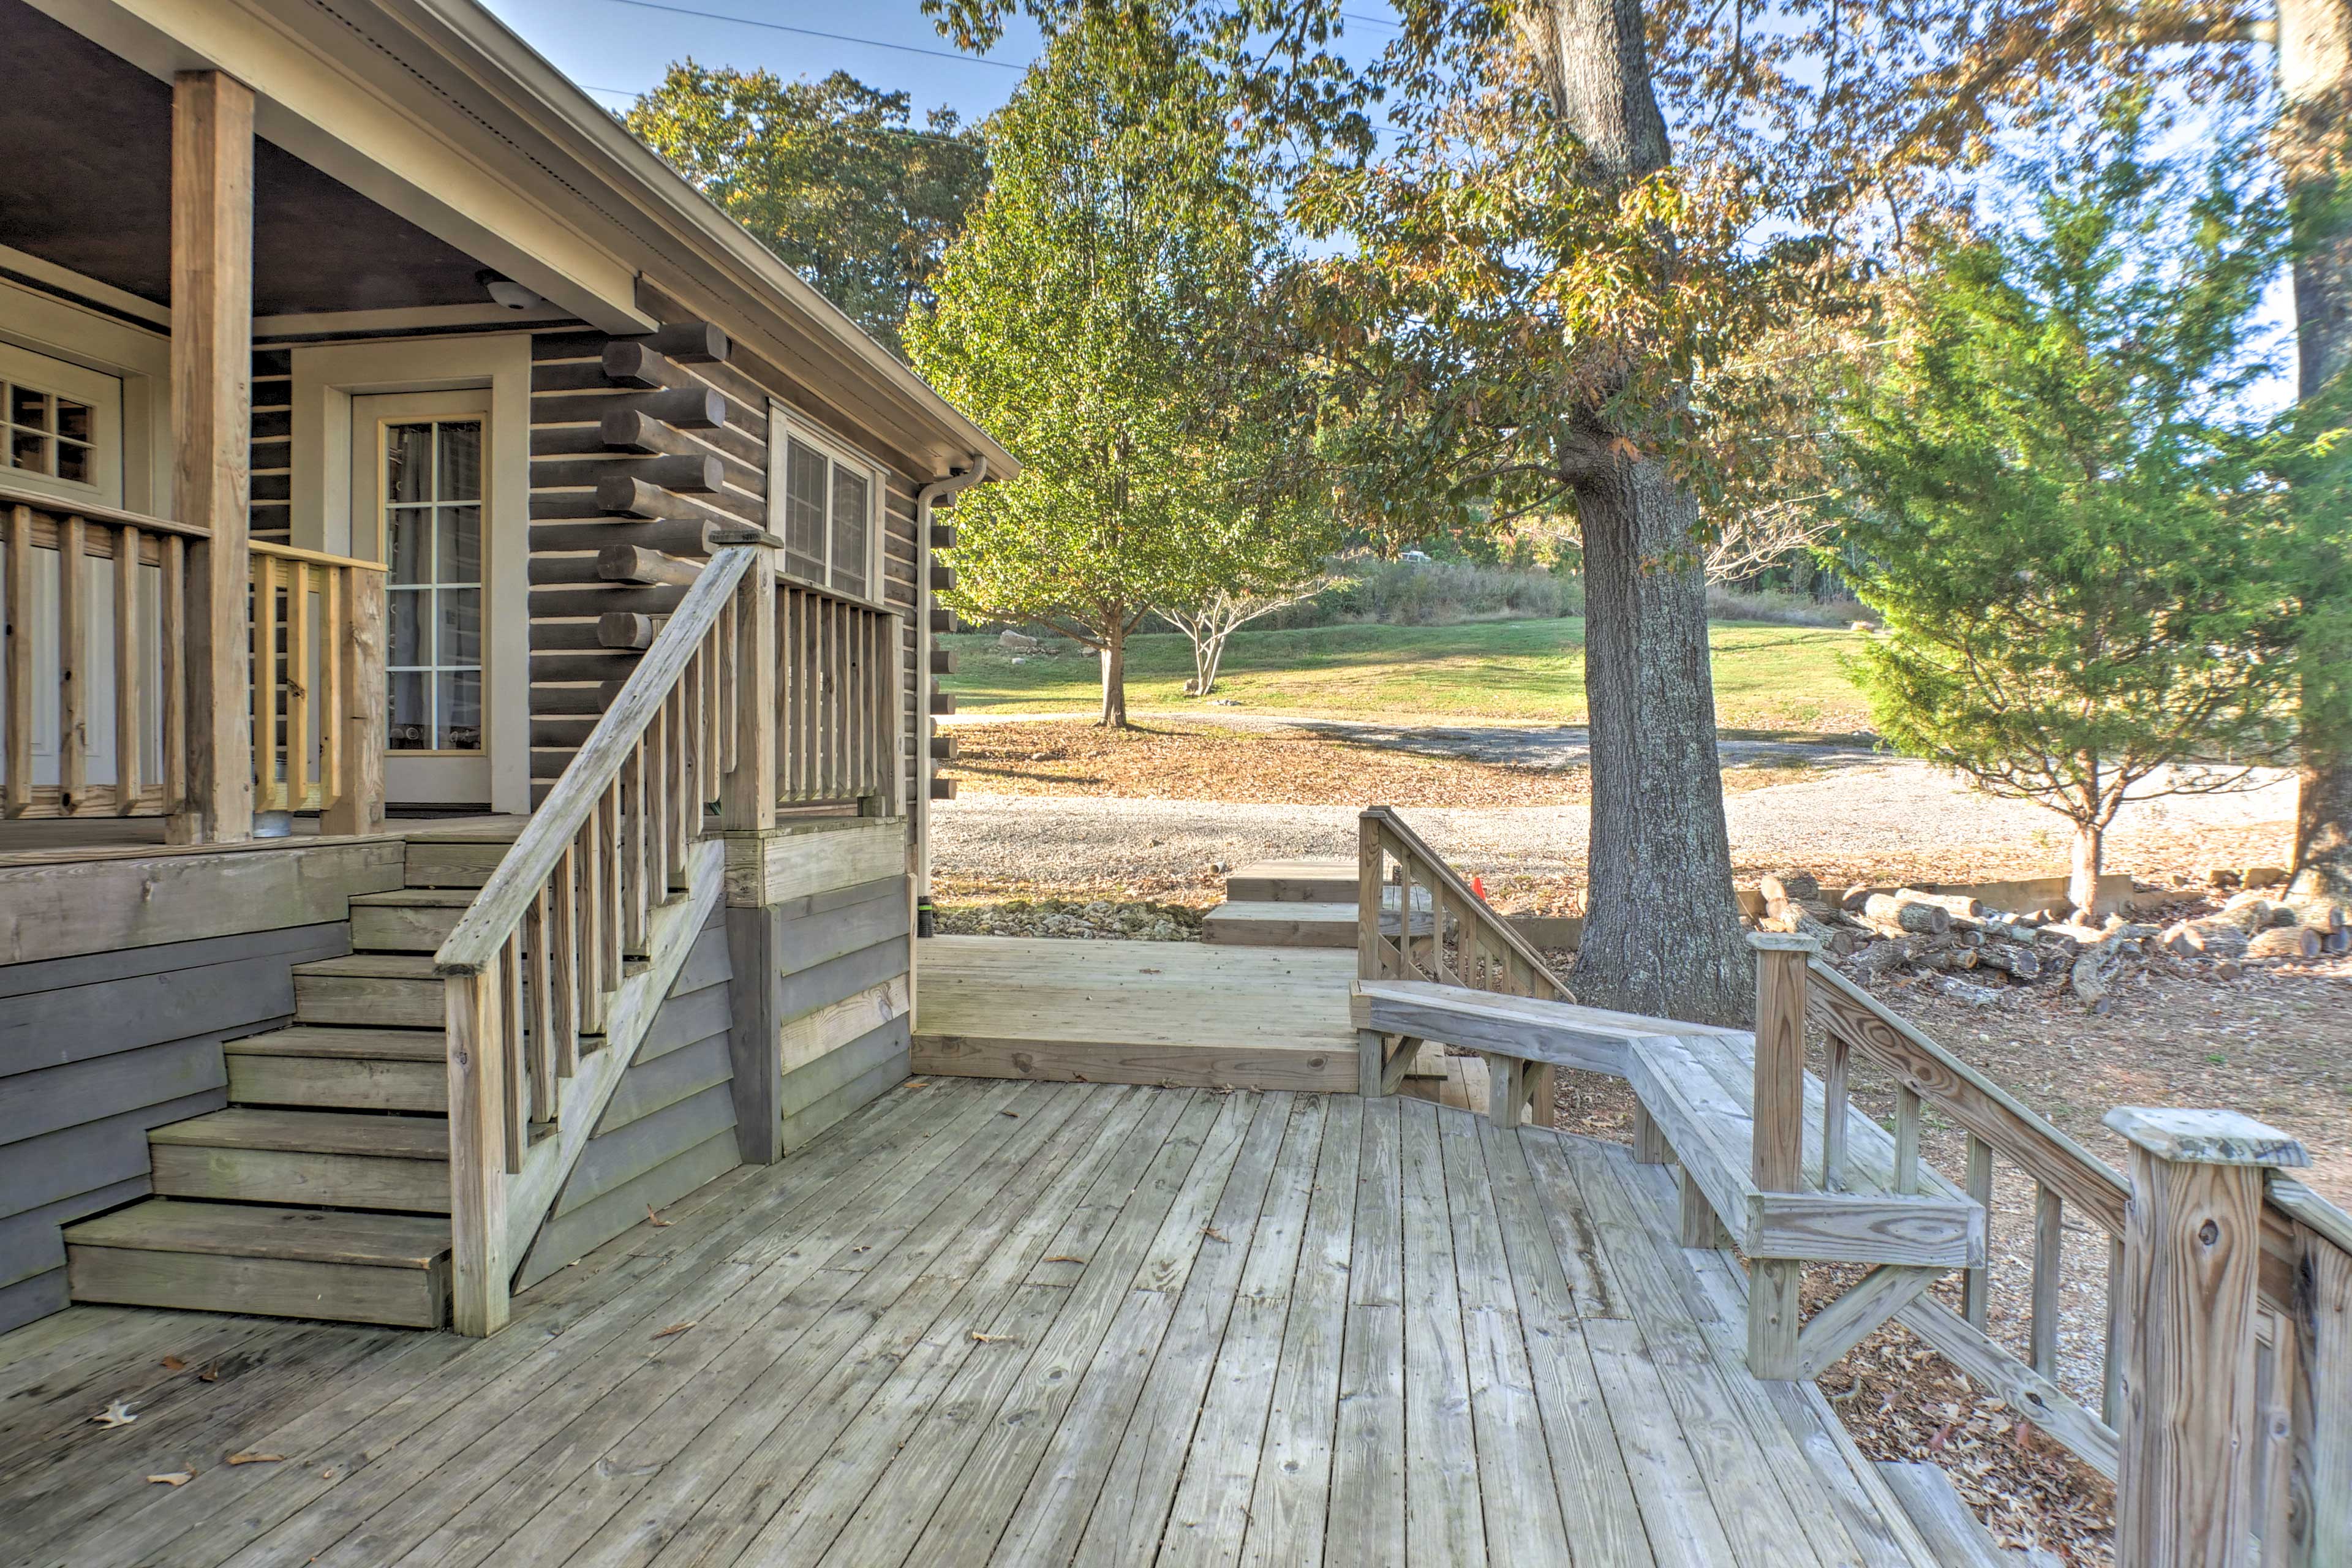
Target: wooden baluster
column 1837, row 1064
column 680, row 785
column 334, row 704
column 538, row 985
column 716, row 661
column 2192, row 1278
column 172, row 636
column 130, row 678
column 2111, row 1370
column 510, row 1051
column 479, row 1272
column 637, row 854
column 1906, row 1139
column 1372, row 1045
column 298, row 686
column 561, row 1009
column 788, row 693
column 73, row 664
column 2323, row 1364
column 2049, row 1273
column 264, row 666
column 599, row 913
column 656, row 778
column 1777, row 1149
column 1976, row 1289
column 730, row 639
column 20, row 660
column 612, row 896
column 687, row 697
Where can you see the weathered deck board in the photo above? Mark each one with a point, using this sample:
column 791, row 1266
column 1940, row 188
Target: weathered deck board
column 986, row 1321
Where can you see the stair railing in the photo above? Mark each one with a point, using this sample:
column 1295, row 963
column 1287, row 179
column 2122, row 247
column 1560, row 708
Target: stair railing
column 1464, row 943
column 2268, row 1485
column 530, row 965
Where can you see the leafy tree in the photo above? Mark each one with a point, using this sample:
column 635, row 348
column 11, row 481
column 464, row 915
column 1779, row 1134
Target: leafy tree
column 833, row 175
column 2080, row 557
column 1097, row 315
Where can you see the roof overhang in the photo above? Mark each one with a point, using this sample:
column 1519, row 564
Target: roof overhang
column 479, row 139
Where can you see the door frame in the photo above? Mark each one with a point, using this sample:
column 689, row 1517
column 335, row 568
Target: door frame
column 495, row 368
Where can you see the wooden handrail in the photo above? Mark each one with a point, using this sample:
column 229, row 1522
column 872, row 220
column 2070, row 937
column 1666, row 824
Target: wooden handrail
column 42, row 500
column 473, row 941
column 315, row 557
column 1382, row 829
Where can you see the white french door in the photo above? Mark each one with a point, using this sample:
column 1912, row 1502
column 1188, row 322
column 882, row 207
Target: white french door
column 419, row 498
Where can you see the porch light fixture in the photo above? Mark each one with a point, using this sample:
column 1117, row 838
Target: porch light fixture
column 506, row 291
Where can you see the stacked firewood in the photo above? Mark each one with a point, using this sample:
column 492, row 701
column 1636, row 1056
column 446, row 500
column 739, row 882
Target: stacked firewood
column 1972, row 953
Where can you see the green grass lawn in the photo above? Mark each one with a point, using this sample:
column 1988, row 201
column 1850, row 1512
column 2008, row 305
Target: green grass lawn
column 1767, row 678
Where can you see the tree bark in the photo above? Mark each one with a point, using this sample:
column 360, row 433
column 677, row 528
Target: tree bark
column 2082, row 879
column 2315, row 64
column 1114, row 680
column 1662, row 925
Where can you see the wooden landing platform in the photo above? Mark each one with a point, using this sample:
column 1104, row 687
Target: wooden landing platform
column 1004, row 1323
column 1166, row 1012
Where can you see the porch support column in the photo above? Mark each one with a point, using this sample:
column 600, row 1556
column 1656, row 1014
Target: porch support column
column 212, row 403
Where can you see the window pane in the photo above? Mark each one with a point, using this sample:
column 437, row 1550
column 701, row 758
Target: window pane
column 458, row 544
column 73, row 462
column 850, row 508
column 404, row 609
column 459, row 641
column 408, row 463
column 28, row 408
column 461, row 462
column 804, row 469
column 73, row 420
column 411, row 730
column 460, row 714
column 30, row 452
column 408, row 546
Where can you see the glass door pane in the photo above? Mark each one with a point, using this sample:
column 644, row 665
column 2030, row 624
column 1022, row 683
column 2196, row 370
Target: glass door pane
column 432, row 548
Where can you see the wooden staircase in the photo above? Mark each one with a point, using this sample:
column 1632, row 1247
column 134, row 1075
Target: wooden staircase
column 322, row 1191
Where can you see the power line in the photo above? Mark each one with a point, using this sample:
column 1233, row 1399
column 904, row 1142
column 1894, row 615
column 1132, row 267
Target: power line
column 816, row 33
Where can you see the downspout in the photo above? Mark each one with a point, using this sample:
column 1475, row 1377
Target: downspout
column 957, row 482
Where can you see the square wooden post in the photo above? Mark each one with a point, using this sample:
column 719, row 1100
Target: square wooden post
column 2192, row 1260
column 211, row 420
column 360, row 807
column 480, row 1271
column 1777, row 1158
column 747, row 798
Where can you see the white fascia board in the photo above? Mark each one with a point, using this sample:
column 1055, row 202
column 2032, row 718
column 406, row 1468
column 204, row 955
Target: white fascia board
column 343, row 119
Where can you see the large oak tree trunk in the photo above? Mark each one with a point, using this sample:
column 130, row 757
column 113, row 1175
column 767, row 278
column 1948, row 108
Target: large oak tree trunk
column 1113, row 680
column 2315, row 150
column 1661, row 927
column 1661, row 931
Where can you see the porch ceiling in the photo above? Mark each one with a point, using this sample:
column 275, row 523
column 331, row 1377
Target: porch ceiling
column 85, row 184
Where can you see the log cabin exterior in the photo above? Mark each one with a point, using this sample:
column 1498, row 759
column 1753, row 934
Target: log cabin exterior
column 465, row 762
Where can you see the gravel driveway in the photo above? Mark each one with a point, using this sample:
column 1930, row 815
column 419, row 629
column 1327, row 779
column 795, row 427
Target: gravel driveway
column 1889, row 808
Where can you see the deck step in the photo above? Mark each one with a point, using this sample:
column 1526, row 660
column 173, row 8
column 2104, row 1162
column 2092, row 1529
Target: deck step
column 453, row 862
column 1313, row 879
column 410, row 920
column 278, row 1262
column 395, row 990
column 337, row 1159
column 1956, row 1535
column 1280, row 923
column 325, row 1067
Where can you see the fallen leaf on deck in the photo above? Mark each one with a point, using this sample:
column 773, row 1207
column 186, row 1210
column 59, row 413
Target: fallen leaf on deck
column 174, row 1478
column 1212, row 1233
column 676, row 1328
column 978, row 1338
column 919, row 1083
column 1154, row 971
column 174, row 1363
column 249, row 1459
column 115, row 1415
column 210, row 1374
column 1065, row 1258
column 328, row 1474
column 1008, row 1113
column 654, row 1218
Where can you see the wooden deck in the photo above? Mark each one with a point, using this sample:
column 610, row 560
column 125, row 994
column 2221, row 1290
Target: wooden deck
column 1166, row 1012
column 1002, row 1322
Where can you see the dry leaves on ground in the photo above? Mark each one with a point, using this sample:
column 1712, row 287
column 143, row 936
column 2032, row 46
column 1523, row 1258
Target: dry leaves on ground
column 115, row 1415
column 174, row 1478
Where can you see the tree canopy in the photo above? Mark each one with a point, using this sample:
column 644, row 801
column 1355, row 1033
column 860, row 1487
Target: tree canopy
column 832, row 175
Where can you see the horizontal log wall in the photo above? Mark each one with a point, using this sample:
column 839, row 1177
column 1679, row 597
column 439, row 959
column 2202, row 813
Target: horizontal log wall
column 670, row 1127
column 96, row 1050
column 270, row 512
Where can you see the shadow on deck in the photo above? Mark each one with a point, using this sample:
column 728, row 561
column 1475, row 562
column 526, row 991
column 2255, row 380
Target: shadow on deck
column 1003, row 1322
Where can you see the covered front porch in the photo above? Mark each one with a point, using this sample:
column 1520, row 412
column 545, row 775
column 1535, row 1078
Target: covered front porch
column 990, row 1322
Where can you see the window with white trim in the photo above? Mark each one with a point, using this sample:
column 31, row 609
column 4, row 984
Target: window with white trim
column 60, row 426
column 826, row 502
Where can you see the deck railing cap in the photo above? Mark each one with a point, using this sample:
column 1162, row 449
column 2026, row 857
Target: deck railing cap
column 2206, row 1137
column 1782, row 941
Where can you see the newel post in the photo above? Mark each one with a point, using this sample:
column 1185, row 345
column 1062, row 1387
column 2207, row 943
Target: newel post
column 1777, row 1158
column 2193, row 1257
column 746, row 796
column 479, row 1268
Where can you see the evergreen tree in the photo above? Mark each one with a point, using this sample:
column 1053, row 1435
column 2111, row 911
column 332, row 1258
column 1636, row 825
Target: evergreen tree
column 2068, row 523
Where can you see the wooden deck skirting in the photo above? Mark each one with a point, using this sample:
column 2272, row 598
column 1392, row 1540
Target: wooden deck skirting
column 1013, row 1323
